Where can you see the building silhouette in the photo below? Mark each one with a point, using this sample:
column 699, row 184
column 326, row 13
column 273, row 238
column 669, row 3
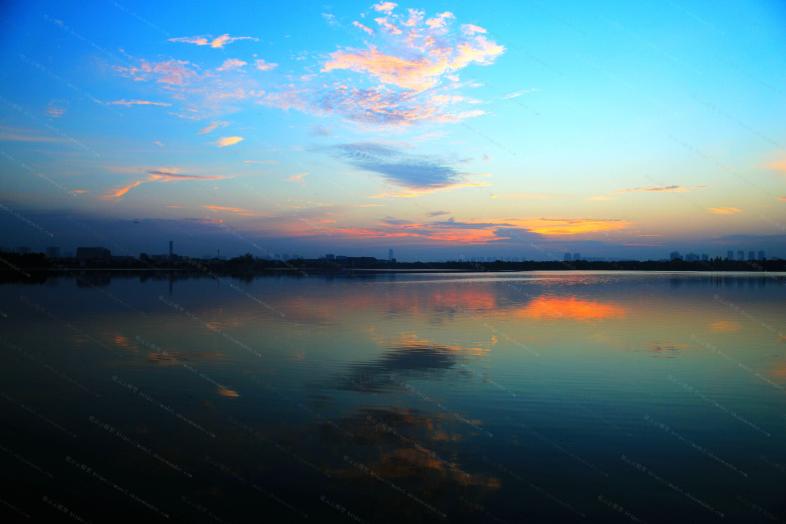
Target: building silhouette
column 53, row 252
column 567, row 257
column 93, row 253
column 730, row 254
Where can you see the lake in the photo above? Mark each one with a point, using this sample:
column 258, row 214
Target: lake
column 494, row 397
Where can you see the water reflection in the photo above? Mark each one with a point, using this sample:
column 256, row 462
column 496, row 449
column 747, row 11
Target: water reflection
column 398, row 397
column 570, row 308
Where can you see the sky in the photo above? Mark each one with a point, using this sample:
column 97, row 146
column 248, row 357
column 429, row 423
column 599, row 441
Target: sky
column 437, row 129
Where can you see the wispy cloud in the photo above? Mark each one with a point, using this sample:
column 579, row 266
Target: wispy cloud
column 725, row 210
column 516, row 94
column 660, row 189
column 645, row 189
column 162, row 174
column 227, row 209
column 232, row 64
column 138, row 102
column 55, row 110
column 168, row 72
column 263, row 65
column 421, row 191
column 11, row 134
column 226, row 141
column 363, row 28
column 217, row 42
column 212, row 126
column 298, row 178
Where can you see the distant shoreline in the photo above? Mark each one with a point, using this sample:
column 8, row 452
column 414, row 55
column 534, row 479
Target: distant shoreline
column 35, row 266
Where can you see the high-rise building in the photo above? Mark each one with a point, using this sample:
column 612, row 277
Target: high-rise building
column 730, row 254
column 391, row 258
column 171, row 249
column 740, row 255
column 751, row 255
column 675, row 255
column 762, row 256
column 576, row 256
column 567, row 257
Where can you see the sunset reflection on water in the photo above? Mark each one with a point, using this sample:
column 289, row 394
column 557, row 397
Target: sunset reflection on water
column 471, row 398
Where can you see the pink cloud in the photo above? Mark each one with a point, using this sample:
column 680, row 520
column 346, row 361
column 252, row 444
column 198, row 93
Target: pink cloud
column 161, row 174
column 471, row 29
column 139, row 103
column 262, row 65
column 216, row 43
column 227, row 141
column 173, row 72
column 212, row 126
column 362, row 27
column 384, row 7
column 232, row 64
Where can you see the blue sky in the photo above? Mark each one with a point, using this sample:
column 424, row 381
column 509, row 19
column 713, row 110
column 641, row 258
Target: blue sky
column 439, row 129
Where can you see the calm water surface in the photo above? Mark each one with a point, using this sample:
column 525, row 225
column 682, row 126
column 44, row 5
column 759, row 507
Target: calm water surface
column 525, row 397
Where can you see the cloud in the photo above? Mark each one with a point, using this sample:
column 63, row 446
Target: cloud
column 660, row 189
column 418, row 192
column 232, row 64
column 225, row 209
column 227, row 141
column 724, row 210
column 262, row 65
column 440, row 21
column 403, row 70
column 55, row 110
column 298, row 178
column 473, row 232
column 570, row 226
column 516, row 94
column 161, row 174
column 782, row 198
column 401, row 169
column 384, row 7
column 438, row 213
column 362, row 27
column 416, row 73
column 406, row 73
column 11, row 134
column 171, row 72
column 216, row 43
column 472, row 29
column 212, row 126
column 138, row 102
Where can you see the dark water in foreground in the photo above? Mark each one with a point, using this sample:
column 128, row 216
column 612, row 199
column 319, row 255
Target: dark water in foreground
column 532, row 397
